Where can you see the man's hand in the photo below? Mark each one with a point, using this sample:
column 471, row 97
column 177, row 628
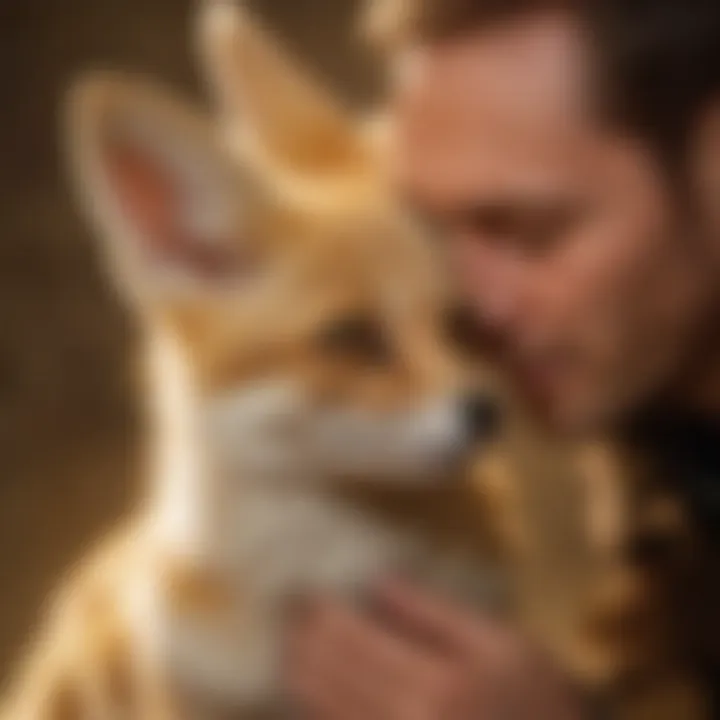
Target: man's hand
column 426, row 660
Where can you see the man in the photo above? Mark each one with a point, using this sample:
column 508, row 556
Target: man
column 570, row 153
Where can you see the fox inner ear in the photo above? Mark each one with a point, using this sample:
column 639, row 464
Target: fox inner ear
column 171, row 204
column 178, row 223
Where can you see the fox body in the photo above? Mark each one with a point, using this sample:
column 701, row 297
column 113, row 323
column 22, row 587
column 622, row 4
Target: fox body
column 309, row 422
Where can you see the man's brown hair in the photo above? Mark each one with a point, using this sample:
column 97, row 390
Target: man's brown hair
column 395, row 22
column 658, row 60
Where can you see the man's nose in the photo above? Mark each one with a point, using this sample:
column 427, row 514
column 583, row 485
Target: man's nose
column 494, row 282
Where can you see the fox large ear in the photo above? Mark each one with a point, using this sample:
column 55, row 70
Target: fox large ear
column 171, row 205
column 265, row 97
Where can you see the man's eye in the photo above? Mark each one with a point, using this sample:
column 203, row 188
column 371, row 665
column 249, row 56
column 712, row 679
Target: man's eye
column 541, row 236
column 357, row 338
column 528, row 231
column 548, row 230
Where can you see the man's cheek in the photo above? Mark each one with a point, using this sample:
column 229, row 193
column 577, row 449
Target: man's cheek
column 589, row 342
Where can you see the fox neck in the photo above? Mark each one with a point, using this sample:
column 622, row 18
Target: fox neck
column 195, row 498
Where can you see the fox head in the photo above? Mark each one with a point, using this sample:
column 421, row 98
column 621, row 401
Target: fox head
column 307, row 306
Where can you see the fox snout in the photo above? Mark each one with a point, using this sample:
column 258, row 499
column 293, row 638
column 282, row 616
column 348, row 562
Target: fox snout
column 482, row 416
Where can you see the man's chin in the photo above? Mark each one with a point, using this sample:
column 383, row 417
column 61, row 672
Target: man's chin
column 564, row 409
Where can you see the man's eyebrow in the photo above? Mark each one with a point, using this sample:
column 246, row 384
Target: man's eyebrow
column 529, row 202
column 510, row 212
column 501, row 214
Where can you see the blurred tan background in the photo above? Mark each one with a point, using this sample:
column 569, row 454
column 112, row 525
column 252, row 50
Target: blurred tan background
column 68, row 423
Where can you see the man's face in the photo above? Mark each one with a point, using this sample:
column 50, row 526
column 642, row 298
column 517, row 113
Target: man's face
column 561, row 232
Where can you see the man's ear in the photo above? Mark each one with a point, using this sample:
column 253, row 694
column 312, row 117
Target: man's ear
column 171, row 206
column 268, row 101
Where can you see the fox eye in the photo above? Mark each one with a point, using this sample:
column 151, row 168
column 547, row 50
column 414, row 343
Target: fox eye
column 358, row 338
column 465, row 332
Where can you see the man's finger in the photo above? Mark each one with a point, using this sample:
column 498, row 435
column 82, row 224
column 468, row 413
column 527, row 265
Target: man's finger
column 434, row 620
column 323, row 698
column 315, row 683
column 375, row 648
column 375, row 667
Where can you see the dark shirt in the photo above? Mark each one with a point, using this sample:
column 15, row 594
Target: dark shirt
column 685, row 451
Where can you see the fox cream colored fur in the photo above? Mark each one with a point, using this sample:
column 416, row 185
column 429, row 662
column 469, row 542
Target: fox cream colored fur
column 308, row 420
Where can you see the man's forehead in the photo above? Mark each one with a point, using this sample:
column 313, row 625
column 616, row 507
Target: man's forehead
column 506, row 100
column 542, row 50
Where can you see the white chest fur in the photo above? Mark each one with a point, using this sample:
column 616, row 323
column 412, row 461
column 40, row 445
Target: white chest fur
column 268, row 534
column 285, row 543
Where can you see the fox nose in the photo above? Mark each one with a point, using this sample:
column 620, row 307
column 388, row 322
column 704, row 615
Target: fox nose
column 482, row 416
